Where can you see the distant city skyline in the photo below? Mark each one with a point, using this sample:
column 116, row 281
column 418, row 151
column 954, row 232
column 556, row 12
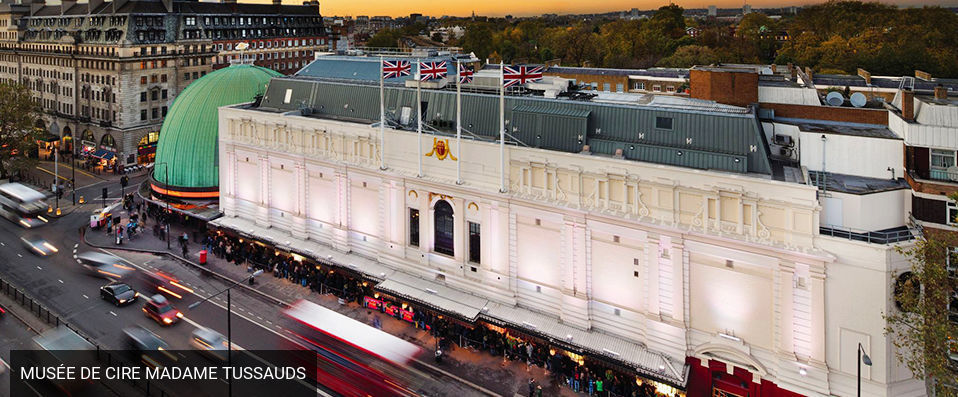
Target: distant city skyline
column 538, row 7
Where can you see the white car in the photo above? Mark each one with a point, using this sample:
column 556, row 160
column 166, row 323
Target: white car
column 210, row 343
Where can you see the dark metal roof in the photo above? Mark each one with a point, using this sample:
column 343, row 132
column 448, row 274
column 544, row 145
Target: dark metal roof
column 847, row 129
column 656, row 72
column 698, row 137
column 853, row 184
column 835, row 80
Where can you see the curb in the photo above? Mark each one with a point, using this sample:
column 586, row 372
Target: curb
column 201, row 268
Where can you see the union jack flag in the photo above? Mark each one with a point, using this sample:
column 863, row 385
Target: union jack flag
column 465, row 74
column 512, row 75
column 432, row 70
column 392, row 69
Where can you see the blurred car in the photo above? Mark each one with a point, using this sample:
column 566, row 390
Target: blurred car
column 103, row 265
column 166, row 284
column 209, row 342
column 152, row 349
column 160, row 310
column 118, row 293
column 38, row 245
column 3, row 311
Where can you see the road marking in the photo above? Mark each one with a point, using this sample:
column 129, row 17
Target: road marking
column 87, row 297
column 39, row 268
column 61, row 281
column 3, row 244
column 114, row 314
column 20, row 255
column 75, row 246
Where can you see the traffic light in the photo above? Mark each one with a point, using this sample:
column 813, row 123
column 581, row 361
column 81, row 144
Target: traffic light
column 104, row 195
column 124, row 181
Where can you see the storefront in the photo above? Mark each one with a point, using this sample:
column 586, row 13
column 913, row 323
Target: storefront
column 716, row 378
column 87, row 147
column 146, row 149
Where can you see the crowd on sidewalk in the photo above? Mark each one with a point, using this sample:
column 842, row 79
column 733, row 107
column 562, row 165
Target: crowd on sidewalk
column 583, row 377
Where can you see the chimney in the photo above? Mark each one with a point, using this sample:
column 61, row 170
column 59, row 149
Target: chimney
column 774, row 68
column 808, row 72
column 792, row 71
column 922, row 75
column 941, row 92
column 908, row 105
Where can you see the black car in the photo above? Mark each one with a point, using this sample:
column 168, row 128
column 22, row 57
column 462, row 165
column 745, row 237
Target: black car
column 118, row 293
column 149, row 348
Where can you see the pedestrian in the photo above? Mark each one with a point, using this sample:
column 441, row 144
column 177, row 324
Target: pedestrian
column 532, row 387
column 539, row 391
column 184, row 249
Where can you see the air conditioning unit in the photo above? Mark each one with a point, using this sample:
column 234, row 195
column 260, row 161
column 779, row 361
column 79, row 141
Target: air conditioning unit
column 783, row 140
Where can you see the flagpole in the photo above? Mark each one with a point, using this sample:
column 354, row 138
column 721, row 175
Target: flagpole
column 502, row 129
column 382, row 117
column 419, row 111
column 458, row 122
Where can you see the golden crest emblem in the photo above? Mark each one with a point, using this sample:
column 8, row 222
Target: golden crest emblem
column 440, row 147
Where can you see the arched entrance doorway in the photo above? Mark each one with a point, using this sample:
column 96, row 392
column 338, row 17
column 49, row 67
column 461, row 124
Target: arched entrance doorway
column 108, row 143
column 444, row 241
column 66, row 140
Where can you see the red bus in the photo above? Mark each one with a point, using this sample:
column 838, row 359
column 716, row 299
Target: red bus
column 355, row 359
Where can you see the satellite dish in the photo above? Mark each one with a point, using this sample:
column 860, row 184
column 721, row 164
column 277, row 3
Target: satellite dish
column 835, row 98
column 242, row 46
column 858, row 99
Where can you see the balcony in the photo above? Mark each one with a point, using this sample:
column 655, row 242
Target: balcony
column 888, row 236
column 933, row 181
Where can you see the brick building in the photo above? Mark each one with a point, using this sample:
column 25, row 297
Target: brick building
column 106, row 73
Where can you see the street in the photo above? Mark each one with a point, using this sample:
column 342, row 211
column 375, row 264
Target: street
column 69, row 291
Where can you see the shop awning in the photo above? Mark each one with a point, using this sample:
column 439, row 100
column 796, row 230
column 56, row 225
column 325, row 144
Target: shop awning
column 48, row 137
column 433, row 294
column 647, row 362
column 103, row 154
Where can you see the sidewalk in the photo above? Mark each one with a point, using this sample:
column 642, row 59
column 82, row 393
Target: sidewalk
column 503, row 377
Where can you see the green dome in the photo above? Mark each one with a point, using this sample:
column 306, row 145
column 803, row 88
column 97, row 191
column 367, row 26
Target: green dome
column 188, row 139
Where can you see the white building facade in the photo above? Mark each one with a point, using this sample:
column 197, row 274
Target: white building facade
column 710, row 271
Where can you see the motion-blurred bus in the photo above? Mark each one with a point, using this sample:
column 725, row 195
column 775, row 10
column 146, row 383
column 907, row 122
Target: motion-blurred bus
column 22, row 205
column 355, row 359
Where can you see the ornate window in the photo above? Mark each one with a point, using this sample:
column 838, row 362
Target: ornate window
column 444, row 238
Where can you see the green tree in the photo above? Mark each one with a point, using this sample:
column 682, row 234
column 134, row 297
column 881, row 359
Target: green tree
column 919, row 327
column 688, row 56
column 18, row 136
column 385, row 38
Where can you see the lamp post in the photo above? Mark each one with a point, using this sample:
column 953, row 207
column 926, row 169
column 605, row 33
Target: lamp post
column 862, row 358
column 166, row 182
column 229, row 314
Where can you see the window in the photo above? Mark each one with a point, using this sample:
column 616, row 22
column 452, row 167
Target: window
column 142, row 80
column 163, row 111
column 164, row 94
column 670, row 88
column 638, row 85
column 190, row 21
column 663, row 123
column 607, row 87
column 414, row 227
column 163, row 76
column 143, row 97
column 154, row 95
column 619, row 87
column 143, row 115
column 475, row 249
column 952, row 213
column 941, row 160
column 186, row 76
column 595, row 86
column 155, row 113
column 444, row 240
column 656, row 88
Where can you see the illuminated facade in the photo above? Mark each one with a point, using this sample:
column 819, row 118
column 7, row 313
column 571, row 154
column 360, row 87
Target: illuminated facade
column 724, row 271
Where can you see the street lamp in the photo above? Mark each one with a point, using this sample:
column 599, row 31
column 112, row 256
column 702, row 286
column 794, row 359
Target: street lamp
column 229, row 314
column 166, row 182
column 862, row 358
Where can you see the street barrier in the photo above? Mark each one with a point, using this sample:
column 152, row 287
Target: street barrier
column 103, row 355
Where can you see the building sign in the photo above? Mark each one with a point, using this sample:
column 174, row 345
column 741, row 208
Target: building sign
column 440, row 147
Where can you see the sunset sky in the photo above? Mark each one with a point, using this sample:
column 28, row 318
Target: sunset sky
column 535, row 7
